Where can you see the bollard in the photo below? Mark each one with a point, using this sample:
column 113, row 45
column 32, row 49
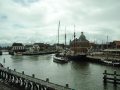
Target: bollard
column 14, row 69
column 47, row 79
column 8, row 68
column 105, row 77
column 67, row 85
column 23, row 72
column 115, row 78
column 33, row 75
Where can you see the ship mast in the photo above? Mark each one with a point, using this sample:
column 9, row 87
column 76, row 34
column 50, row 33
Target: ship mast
column 74, row 39
column 58, row 31
column 65, row 36
column 107, row 46
column 65, row 41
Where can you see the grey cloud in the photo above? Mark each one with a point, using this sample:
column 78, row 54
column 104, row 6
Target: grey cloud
column 3, row 17
column 34, row 20
column 25, row 2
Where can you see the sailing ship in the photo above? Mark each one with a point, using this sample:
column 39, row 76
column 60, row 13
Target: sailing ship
column 60, row 58
column 78, row 48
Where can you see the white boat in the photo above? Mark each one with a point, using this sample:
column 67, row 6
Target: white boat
column 60, row 59
column 110, row 62
column 18, row 53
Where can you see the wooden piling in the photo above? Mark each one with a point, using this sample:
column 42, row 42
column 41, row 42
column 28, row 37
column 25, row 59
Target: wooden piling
column 115, row 78
column 111, row 78
column 105, row 77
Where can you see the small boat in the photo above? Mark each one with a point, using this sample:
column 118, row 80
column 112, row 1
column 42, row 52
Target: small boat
column 18, row 53
column 60, row 59
column 116, row 63
column 110, row 62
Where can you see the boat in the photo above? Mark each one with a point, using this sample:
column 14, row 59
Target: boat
column 60, row 58
column 78, row 49
column 77, row 57
column 18, row 53
column 110, row 62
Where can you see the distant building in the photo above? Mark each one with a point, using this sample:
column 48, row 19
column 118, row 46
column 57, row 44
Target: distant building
column 59, row 47
column 80, row 45
column 115, row 44
column 29, row 48
column 17, row 47
column 37, row 47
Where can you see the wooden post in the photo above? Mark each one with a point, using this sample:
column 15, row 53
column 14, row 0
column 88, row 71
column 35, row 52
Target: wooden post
column 47, row 79
column 33, row 75
column 115, row 78
column 14, row 69
column 8, row 68
column 67, row 85
column 22, row 72
column 105, row 77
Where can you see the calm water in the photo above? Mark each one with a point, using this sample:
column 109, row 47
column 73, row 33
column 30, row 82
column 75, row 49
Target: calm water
column 79, row 75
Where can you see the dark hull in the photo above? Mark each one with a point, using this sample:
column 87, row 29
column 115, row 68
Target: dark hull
column 77, row 57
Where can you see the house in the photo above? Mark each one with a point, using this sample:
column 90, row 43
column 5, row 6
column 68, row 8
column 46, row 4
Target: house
column 29, row 48
column 116, row 44
column 17, row 47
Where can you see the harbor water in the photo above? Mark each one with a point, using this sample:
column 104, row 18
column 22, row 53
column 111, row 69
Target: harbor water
column 79, row 75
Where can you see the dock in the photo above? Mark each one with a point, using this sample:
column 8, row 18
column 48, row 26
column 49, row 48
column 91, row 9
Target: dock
column 112, row 61
column 113, row 78
column 26, row 82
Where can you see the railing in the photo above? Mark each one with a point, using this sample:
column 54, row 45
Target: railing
column 111, row 78
column 26, row 82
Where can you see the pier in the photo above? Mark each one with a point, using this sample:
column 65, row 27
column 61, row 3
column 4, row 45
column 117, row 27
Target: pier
column 26, row 82
column 111, row 78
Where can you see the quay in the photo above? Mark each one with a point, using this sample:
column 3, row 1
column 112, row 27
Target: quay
column 26, row 82
column 102, row 59
column 111, row 78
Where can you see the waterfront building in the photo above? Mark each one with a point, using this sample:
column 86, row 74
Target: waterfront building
column 115, row 44
column 37, row 47
column 17, row 47
column 29, row 48
column 59, row 47
column 80, row 45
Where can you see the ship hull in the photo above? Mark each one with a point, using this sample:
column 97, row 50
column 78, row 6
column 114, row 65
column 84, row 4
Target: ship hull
column 76, row 57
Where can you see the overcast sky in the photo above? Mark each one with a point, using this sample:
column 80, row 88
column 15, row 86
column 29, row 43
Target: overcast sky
column 37, row 20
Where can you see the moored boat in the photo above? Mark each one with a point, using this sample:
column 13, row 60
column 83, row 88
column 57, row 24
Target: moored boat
column 60, row 59
column 110, row 62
